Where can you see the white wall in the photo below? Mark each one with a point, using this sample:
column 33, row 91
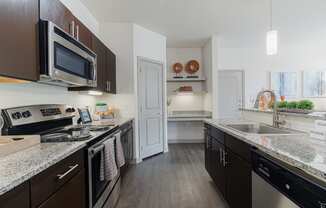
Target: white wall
column 12, row 95
column 302, row 45
column 130, row 41
column 151, row 45
column 208, row 65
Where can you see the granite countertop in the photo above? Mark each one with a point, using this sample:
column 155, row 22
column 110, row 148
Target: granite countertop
column 21, row 166
column 298, row 150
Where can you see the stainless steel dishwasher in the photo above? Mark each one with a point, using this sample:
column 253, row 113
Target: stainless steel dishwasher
column 274, row 186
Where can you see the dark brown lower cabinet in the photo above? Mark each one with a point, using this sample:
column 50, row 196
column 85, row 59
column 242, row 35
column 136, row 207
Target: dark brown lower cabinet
column 72, row 194
column 229, row 168
column 18, row 197
column 208, row 151
column 238, row 181
column 217, row 166
column 127, row 139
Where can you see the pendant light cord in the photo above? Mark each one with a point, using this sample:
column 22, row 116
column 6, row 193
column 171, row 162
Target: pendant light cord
column 271, row 14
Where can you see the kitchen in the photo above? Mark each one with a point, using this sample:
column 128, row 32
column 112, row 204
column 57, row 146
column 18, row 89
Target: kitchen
column 136, row 104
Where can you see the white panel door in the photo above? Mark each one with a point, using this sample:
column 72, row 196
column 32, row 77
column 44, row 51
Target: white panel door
column 151, row 107
column 230, row 94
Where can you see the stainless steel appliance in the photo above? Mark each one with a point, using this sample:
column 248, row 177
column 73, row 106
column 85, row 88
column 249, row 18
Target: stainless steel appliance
column 100, row 189
column 54, row 124
column 64, row 60
column 275, row 186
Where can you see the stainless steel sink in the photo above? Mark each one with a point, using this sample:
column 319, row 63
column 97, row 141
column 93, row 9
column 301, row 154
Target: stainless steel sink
column 259, row 129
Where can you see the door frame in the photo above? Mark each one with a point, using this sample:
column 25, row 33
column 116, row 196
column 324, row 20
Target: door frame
column 164, row 122
column 242, row 71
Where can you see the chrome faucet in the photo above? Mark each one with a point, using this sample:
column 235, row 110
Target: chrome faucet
column 276, row 114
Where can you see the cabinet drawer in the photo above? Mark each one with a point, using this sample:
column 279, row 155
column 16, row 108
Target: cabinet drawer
column 72, row 194
column 239, row 147
column 49, row 181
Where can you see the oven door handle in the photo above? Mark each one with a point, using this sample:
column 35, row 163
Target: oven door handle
column 97, row 149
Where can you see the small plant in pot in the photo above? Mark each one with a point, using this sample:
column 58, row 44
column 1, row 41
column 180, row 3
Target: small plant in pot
column 303, row 106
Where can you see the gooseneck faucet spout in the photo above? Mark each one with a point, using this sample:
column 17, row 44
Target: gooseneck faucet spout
column 276, row 115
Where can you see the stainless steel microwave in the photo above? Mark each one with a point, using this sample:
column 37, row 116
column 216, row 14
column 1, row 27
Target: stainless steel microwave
column 64, row 60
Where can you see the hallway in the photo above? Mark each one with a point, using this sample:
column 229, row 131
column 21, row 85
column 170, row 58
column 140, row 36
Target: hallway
column 176, row 179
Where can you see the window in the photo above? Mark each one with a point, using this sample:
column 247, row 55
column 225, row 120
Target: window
column 284, row 84
column 314, row 84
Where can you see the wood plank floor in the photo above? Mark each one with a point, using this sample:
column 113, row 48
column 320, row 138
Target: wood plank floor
column 176, row 179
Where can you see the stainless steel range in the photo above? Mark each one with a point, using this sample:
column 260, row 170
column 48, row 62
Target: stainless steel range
column 55, row 124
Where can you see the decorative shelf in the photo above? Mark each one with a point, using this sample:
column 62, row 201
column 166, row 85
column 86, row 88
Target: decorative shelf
column 186, row 80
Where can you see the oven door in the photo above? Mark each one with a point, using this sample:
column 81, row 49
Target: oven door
column 99, row 190
column 69, row 61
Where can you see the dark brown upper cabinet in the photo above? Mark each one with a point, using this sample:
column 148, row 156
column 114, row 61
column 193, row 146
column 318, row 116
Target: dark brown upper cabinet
column 100, row 50
column 19, row 50
column 56, row 12
column 110, row 77
column 83, row 34
column 19, row 39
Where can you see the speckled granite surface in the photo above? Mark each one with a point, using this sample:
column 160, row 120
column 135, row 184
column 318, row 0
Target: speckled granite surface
column 21, row 166
column 301, row 151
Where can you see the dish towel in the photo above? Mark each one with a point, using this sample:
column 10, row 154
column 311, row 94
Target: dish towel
column 110, row 166
column 102, row 167
column 120, row 155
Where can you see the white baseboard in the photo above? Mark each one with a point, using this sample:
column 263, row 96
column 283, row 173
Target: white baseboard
column 185, row 141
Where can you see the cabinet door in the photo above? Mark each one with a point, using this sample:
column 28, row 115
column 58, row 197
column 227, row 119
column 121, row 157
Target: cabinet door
column 111, row 72
column 56, row 12
column 130, row 136
column 18, row 37
column 18, row 197
column 238, row 181
column 100, row 50
column 72, row 194
column 208, row 150
column 83, row 34
column 218, row 169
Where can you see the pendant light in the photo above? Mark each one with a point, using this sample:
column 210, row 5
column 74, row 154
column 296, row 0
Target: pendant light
column 272, row 36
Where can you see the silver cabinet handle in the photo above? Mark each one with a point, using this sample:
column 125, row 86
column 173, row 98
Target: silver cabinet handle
column 77, row 32
column 72, row 28
column 225, row 163
column 71, row 168
column 108, row 86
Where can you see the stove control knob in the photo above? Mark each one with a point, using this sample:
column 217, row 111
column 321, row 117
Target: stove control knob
column 26, row 114
column 70, row 110
column 16, row 115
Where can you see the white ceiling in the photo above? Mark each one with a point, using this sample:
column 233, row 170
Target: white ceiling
column 189, row 23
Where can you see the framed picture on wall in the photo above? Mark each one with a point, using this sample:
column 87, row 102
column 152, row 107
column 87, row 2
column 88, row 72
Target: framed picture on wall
column 284, row 84
column 314, row 84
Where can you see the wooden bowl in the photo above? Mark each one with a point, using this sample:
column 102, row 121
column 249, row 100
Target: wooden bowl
column 177, row 68
column 192, row 67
